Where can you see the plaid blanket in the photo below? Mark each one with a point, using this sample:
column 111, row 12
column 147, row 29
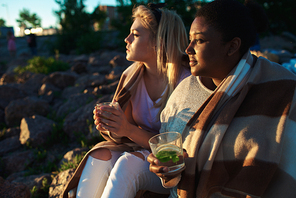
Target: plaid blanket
column 240, row 141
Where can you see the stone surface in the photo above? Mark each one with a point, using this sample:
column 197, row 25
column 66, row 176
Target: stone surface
column 18, row 161
column 59, row 182
column 13, row 190
column 9, row 145
column 22, row 108
column 35, row 130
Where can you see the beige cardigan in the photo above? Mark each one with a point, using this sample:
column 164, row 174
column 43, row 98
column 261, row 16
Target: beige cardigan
column 126, row 88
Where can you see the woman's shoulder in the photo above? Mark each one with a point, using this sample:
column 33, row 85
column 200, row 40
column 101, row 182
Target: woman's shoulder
column 184, row 74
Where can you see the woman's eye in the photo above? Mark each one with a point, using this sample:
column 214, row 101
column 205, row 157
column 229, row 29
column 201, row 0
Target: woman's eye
column 199, row 40
column 135, row 35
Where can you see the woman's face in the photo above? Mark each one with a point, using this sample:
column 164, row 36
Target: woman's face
column 139, row 46
column 207, row 52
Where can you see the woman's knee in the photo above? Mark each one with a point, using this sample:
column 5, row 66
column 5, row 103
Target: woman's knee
column 101, row 154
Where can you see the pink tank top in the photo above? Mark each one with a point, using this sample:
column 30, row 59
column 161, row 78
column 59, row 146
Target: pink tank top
column 143, row 111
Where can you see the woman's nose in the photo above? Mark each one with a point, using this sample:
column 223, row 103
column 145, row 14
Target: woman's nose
column 189, row 49
column 127, row 39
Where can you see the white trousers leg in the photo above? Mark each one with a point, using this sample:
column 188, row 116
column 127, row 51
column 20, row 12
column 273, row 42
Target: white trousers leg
column 94, row 176
column 130, row 174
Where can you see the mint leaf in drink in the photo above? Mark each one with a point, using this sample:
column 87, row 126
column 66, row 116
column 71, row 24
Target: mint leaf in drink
column 165, row 156
column 175, row 158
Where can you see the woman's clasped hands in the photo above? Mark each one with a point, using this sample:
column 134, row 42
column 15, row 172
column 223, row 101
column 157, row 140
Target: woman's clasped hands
column 108, row 118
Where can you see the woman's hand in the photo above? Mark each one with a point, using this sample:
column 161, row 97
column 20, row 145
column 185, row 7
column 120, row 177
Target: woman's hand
column 161, row 171
column 111, row 119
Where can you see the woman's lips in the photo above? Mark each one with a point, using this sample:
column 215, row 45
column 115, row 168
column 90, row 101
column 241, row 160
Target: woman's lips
column 192, row 63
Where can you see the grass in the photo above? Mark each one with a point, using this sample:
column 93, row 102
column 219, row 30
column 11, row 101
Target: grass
column 71, row 164
column 42, row 65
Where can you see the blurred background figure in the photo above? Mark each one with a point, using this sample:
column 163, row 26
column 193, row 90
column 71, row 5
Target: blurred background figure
column 11, row 44
column 32, row 44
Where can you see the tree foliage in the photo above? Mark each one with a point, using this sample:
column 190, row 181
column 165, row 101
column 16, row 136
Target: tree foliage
column 76, row 25
column 2, row 22
column 28, row 20
column 98, row 16
column 281, row 15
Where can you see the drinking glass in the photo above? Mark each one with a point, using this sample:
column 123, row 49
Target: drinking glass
column 167, row 148
column 111, row 104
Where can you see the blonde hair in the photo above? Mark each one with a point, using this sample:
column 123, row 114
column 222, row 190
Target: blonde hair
column 171, row 41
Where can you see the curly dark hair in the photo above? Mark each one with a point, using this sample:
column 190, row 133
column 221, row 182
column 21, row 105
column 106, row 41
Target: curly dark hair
column 232, row 19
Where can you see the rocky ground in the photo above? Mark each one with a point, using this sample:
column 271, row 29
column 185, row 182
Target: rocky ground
column 46, row 120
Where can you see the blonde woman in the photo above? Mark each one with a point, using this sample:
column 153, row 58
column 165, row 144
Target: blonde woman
column 118, row 167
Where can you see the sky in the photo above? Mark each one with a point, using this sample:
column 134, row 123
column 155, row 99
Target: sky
column 10, row 9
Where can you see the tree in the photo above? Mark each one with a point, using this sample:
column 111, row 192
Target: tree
column 28, row 20
column 2, row 22
column 98, row 16
column 76, row 25
column 281, row 15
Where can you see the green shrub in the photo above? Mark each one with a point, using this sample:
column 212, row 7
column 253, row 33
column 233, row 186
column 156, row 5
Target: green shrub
column 42, row 192
column 42, row 65
column 72, row 164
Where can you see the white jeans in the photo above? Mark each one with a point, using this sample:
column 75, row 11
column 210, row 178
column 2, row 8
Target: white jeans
column 121, row 176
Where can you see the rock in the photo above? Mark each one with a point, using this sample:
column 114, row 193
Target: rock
column 7, row 78
column 81, row 58
column 78, row 121
column 74, row 103
column 115, row 74
column 9, row 145
column 2, row 116
column 9, row 93
column 72, row 91
column 16, row 175
column 13, row 190
column 70, row 155
column 48, row 91
column 35, row 130
column 19, row 61
column 120, row 60
column 95, row 61
column 102, row 59
column 91, row 79
column 21, row 108
column 108, row 89
column 109, row 55
column 61, row 79
column 14, row 131
column 33, row 84
column 59, row 182
column 47, row 87
column 104, row 69
column 18, row 161
column 34, row 180
column 79, row 68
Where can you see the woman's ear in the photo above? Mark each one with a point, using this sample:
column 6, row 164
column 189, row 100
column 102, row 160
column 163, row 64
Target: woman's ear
column 234, row 46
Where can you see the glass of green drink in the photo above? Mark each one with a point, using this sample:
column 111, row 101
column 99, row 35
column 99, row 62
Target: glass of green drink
column 167, row 148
